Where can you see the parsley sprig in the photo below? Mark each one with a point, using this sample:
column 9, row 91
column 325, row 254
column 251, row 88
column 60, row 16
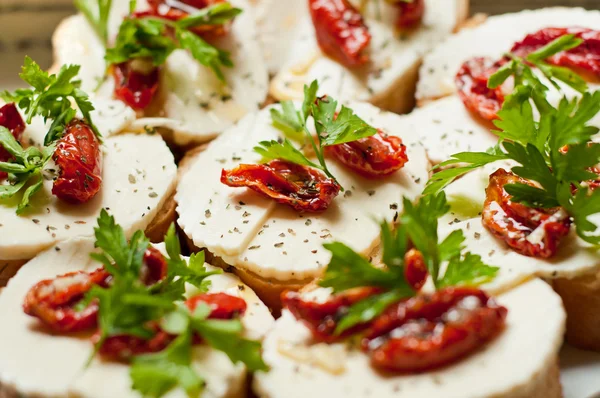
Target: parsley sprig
column 417, row 225
column 51, row 97
column 97, row 13
column 538, row 146
column 155, row 38
column 128, row 307
column 332, row 129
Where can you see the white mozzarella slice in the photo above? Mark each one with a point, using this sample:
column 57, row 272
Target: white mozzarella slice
column 57, row 365
column 139, row 174
column 271, row 240
column 466, row 197
column 389, row 76
column 493, row 38
column 446, row 127
column 533, row 333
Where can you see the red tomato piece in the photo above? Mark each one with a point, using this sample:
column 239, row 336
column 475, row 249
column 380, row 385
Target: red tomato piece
column 135, row 88
column 53, row 301
column 432, row 330
column 415, row 269
column 471, row 81
column 12, row 120
column 514, row 222
column 154, row 268
column 341, row 31
column 300, row 187
column 411, row 14
column 222, row 305
column 372, row 157
column 586, row 56
column 79, row 158
column 322, row 318
column 175, row 11
column 123, row 347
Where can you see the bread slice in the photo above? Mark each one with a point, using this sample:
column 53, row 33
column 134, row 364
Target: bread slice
column 533, row 334
column 389, row 80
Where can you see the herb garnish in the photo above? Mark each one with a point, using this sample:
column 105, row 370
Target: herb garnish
column 127, row 307
column 556, row 151
column 419, row 225
column 97, row 18
column 50, row 97
column 332, row 129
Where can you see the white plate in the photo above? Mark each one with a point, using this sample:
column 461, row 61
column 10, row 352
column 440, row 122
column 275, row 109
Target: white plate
column 579, row 369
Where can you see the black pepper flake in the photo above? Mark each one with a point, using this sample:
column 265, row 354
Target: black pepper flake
column 246, row 214
column 308, row 222
column 241, row 288
column 57, row 248
column 371, row 192
column 254, row 247
column 313, row 251
column 347, row 194
column 153, row 194
column 202, row 223
column 132, row 179
column 278, row 244
column 394, row 206
column 36, row 221
column 282, row 235
column 245, row 221
column 207, row 213
column 477, row 235
column 305, row 240
column 242, row 203
column 238, row 207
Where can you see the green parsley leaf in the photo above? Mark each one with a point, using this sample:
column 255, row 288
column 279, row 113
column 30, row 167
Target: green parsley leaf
column 51, row 97
column 467, row 270
column 218, row 14
column 153, row 375
column 204, row 52
column 289, row 121
column 368, row 309
column 345, row 127
column 271, row 150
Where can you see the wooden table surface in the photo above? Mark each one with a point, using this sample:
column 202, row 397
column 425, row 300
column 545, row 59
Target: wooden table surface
column 501, row 6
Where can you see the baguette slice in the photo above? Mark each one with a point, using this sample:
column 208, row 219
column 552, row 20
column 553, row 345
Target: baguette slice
column 57, row 365
column 388, row 81
column 533, row 334
column 272, row 246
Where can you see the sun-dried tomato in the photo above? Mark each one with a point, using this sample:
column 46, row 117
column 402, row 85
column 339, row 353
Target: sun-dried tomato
column 175, row 11
column 471, row 82
column 586, row 56
column 300, row 187
column 432, row 330
column 529, row 231
column 322, row 317
column 411, row 14
column 415, row 269
column 79, row 158
column 341, row 31
column 135, row 88
column 222, row 305
column 376, row 156
column 12, row 120
column 53, row 301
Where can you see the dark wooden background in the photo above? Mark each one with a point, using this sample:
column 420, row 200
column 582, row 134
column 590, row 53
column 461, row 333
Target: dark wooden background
column 501, row 6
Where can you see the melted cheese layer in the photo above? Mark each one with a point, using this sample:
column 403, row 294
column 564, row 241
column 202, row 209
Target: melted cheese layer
column 56, row 367
column 274, row 241
column 533, row 333
column 139, row 174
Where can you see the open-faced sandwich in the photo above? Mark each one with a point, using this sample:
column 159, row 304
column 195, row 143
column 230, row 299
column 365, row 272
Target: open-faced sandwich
column 191, row 69
column 58, row 168
column 383, row 331
column 352, row 47
column 112, row 318
column 265, row 195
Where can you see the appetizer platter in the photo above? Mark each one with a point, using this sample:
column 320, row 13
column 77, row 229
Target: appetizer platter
column 279, row 199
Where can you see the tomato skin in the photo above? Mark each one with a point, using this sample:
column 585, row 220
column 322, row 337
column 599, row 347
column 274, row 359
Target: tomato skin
column 429, row 331
column 586, row 56
column 53, row 300
column 519, row 221
column 303, row 188
column 154, row 267
column 415, row 269
column 222, row 305
column 411, row 14
column 79, row 158
column 134, row 88
column 12, row 120
column 376, row 156
column 322, row 318
column 471, row 82
column 341, row 31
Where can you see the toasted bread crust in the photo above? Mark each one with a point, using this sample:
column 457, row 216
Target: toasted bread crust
column 581, row 298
